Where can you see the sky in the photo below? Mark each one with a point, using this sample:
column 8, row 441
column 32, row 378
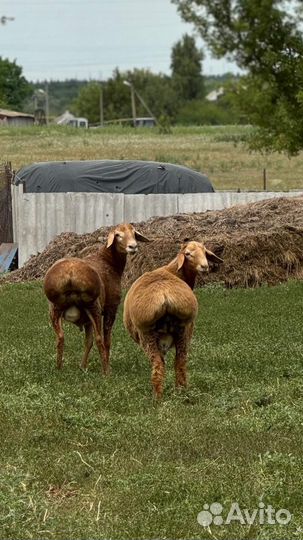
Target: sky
column 88, row 39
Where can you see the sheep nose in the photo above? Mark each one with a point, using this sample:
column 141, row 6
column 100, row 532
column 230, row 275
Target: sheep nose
column 203, row 268
column 132, row 248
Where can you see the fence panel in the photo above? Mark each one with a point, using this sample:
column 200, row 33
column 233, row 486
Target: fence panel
column 142, row 207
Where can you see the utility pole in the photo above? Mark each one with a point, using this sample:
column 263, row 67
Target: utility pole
column 146, row 107
column 101, row 106
column 46, row 104
column 132, row 90
column 133, row 100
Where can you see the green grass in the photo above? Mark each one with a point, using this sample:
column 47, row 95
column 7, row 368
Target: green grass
column 87, row 458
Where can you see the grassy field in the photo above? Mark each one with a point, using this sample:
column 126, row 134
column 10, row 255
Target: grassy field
column 88, row 458
column 217, row 151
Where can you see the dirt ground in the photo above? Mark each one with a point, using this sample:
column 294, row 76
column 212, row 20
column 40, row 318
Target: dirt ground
column 261, row 243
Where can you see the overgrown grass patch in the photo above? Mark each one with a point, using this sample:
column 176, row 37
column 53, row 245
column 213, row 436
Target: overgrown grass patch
column 83, row 457
column 218, row 151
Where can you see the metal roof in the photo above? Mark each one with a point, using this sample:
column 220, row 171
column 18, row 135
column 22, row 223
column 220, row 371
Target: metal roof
column 14, row 114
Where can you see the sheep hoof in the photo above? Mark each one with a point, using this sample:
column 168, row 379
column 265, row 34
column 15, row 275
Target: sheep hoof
column 181, row 388
column 84, row 369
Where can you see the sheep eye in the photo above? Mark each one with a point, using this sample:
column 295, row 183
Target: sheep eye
column 188, row 254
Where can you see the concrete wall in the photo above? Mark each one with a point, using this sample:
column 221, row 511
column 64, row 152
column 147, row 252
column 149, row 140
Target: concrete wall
column 39, row 217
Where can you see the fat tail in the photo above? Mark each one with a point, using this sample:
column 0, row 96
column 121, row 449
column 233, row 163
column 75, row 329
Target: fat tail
column 72, row 314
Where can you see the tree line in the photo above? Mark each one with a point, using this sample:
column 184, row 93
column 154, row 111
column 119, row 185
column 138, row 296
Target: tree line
column 83, row 98
column 176, row 98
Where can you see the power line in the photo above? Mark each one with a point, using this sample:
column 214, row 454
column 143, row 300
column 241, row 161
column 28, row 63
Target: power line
column 73, row 2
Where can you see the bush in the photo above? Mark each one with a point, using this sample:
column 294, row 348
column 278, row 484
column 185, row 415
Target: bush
column 199, row 112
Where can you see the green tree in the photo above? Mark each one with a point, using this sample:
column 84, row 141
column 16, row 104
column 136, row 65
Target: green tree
column 186, row 66
column 265, row 40
column 87, row 103
column 60, row 93
column 115, row 100
column 155, row 89
column 202, row 112
column 14, row 88
column 116, row 97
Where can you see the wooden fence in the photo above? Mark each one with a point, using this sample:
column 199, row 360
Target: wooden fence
column 6, row 222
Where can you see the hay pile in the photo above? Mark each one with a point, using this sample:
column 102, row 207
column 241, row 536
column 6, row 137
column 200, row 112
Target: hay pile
column 260, row 243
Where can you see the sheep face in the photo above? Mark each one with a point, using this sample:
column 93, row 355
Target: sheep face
column 125, row 237
column 195, row 256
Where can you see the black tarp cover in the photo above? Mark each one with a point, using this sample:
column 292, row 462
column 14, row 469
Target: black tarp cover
column 111, row 176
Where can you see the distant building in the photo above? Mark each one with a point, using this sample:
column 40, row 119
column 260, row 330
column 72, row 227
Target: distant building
column 68, row 119
column 146, row 121
column 14, row 118
column 215, row 94
column 140, row 121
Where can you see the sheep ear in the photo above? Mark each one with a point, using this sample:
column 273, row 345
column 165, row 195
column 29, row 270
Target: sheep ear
column 140, row 237
column 110, row 239
column 212, row 257
column 180, row 260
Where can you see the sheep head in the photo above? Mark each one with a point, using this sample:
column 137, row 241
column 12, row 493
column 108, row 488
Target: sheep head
column 125, row 237
column 195, row 256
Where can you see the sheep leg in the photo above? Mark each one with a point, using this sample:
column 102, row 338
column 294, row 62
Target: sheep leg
column 180, row 368
column 158, row 374
column 89, row 334
column 150, row 346
column 56, row 319
column 182, row 341
column 94, row 315
column 108, row 322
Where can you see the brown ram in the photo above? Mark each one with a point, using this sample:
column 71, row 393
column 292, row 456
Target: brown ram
column 87, row 292
column 160, row 309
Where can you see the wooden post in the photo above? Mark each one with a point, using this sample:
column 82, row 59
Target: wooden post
column 101, row 106
column 46, row 104
column 264, row 180
column 133, row 100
